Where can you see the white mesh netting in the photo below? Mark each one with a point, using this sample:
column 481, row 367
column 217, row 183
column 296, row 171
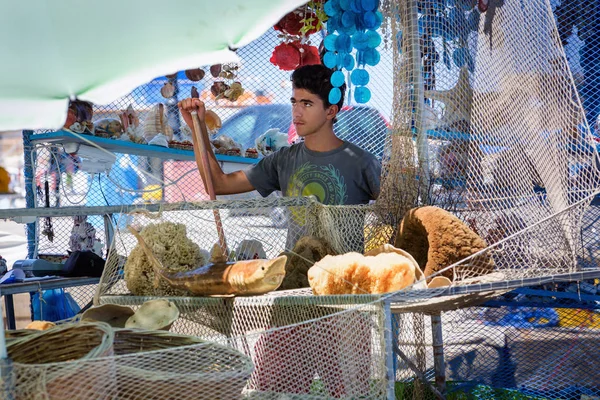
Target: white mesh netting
column 486, row 123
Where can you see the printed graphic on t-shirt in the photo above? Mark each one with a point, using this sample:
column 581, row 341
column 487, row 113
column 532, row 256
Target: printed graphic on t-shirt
column 324, row 182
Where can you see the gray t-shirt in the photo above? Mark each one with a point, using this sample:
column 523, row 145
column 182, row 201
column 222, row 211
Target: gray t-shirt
column 346, row 175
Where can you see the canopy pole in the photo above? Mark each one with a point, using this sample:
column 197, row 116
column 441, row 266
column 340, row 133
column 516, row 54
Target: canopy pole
column 438, row 352
column 413, row 55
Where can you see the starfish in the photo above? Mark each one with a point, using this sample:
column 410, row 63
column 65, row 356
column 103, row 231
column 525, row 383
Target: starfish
column 457, row 100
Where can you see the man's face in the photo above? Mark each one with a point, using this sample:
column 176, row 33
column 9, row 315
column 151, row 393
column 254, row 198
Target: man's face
column 309, row 113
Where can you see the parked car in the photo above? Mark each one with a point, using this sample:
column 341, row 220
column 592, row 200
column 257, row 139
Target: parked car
column 361, row 125
column 251, row 122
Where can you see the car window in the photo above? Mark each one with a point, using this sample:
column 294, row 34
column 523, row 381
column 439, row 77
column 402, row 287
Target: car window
column 240, row 129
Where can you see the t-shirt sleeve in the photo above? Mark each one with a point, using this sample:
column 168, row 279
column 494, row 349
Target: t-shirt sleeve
column 264, row 176
column 373, row 177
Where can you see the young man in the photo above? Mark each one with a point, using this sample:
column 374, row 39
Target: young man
column 334, row 171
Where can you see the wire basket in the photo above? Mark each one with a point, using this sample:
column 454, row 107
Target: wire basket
column 51, row 363
column 186, row 368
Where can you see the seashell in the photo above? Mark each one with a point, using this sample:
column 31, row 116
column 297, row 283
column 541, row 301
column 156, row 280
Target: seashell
column 111, row 126
column 226, row 75
column 234, row 92
column 156, row 122
column 168, row 90
column 218, row 88
column 194, row 74
column 212, row 120
column 171, row 76
column 154, row 315
column 113, row 314
column 215, row 70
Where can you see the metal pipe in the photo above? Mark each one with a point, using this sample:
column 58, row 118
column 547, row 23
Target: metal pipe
column 413, row 55
column 438, row 353
column 29, row 155
column 389, row 350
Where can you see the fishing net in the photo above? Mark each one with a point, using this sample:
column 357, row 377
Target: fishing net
column 486, row 122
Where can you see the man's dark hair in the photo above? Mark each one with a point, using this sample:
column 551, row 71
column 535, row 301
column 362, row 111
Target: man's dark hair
column 317, row 80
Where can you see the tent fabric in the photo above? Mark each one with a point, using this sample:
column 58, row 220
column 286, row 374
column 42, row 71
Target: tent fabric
column 56, row 50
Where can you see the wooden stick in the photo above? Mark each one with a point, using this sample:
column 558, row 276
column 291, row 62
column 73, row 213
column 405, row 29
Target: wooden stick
column 417, row 372
column 202, row 160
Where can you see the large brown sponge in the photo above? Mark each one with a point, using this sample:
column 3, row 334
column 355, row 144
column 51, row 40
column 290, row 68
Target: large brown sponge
column 437, row 239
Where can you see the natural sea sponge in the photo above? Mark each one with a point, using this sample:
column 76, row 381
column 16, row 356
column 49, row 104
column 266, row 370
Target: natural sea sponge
column 40, row 325
column 172, row 247
column 307, row 251
column 438, row 239
column 354, row 273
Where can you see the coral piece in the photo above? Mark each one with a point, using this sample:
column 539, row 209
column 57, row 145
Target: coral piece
column 307, row 251
column 309, row 55
column 286, row 56
column 381, row 271
column 173, row 248
column 457, row 101
column 438, row 239
column 293, row 22
column 289, row 56
column 130, row 121
column 251, row 153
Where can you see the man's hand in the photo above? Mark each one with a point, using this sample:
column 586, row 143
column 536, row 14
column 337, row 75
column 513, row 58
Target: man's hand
column 187, row 106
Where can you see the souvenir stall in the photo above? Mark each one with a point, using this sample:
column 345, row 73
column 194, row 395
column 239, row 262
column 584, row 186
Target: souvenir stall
column 473, row 274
